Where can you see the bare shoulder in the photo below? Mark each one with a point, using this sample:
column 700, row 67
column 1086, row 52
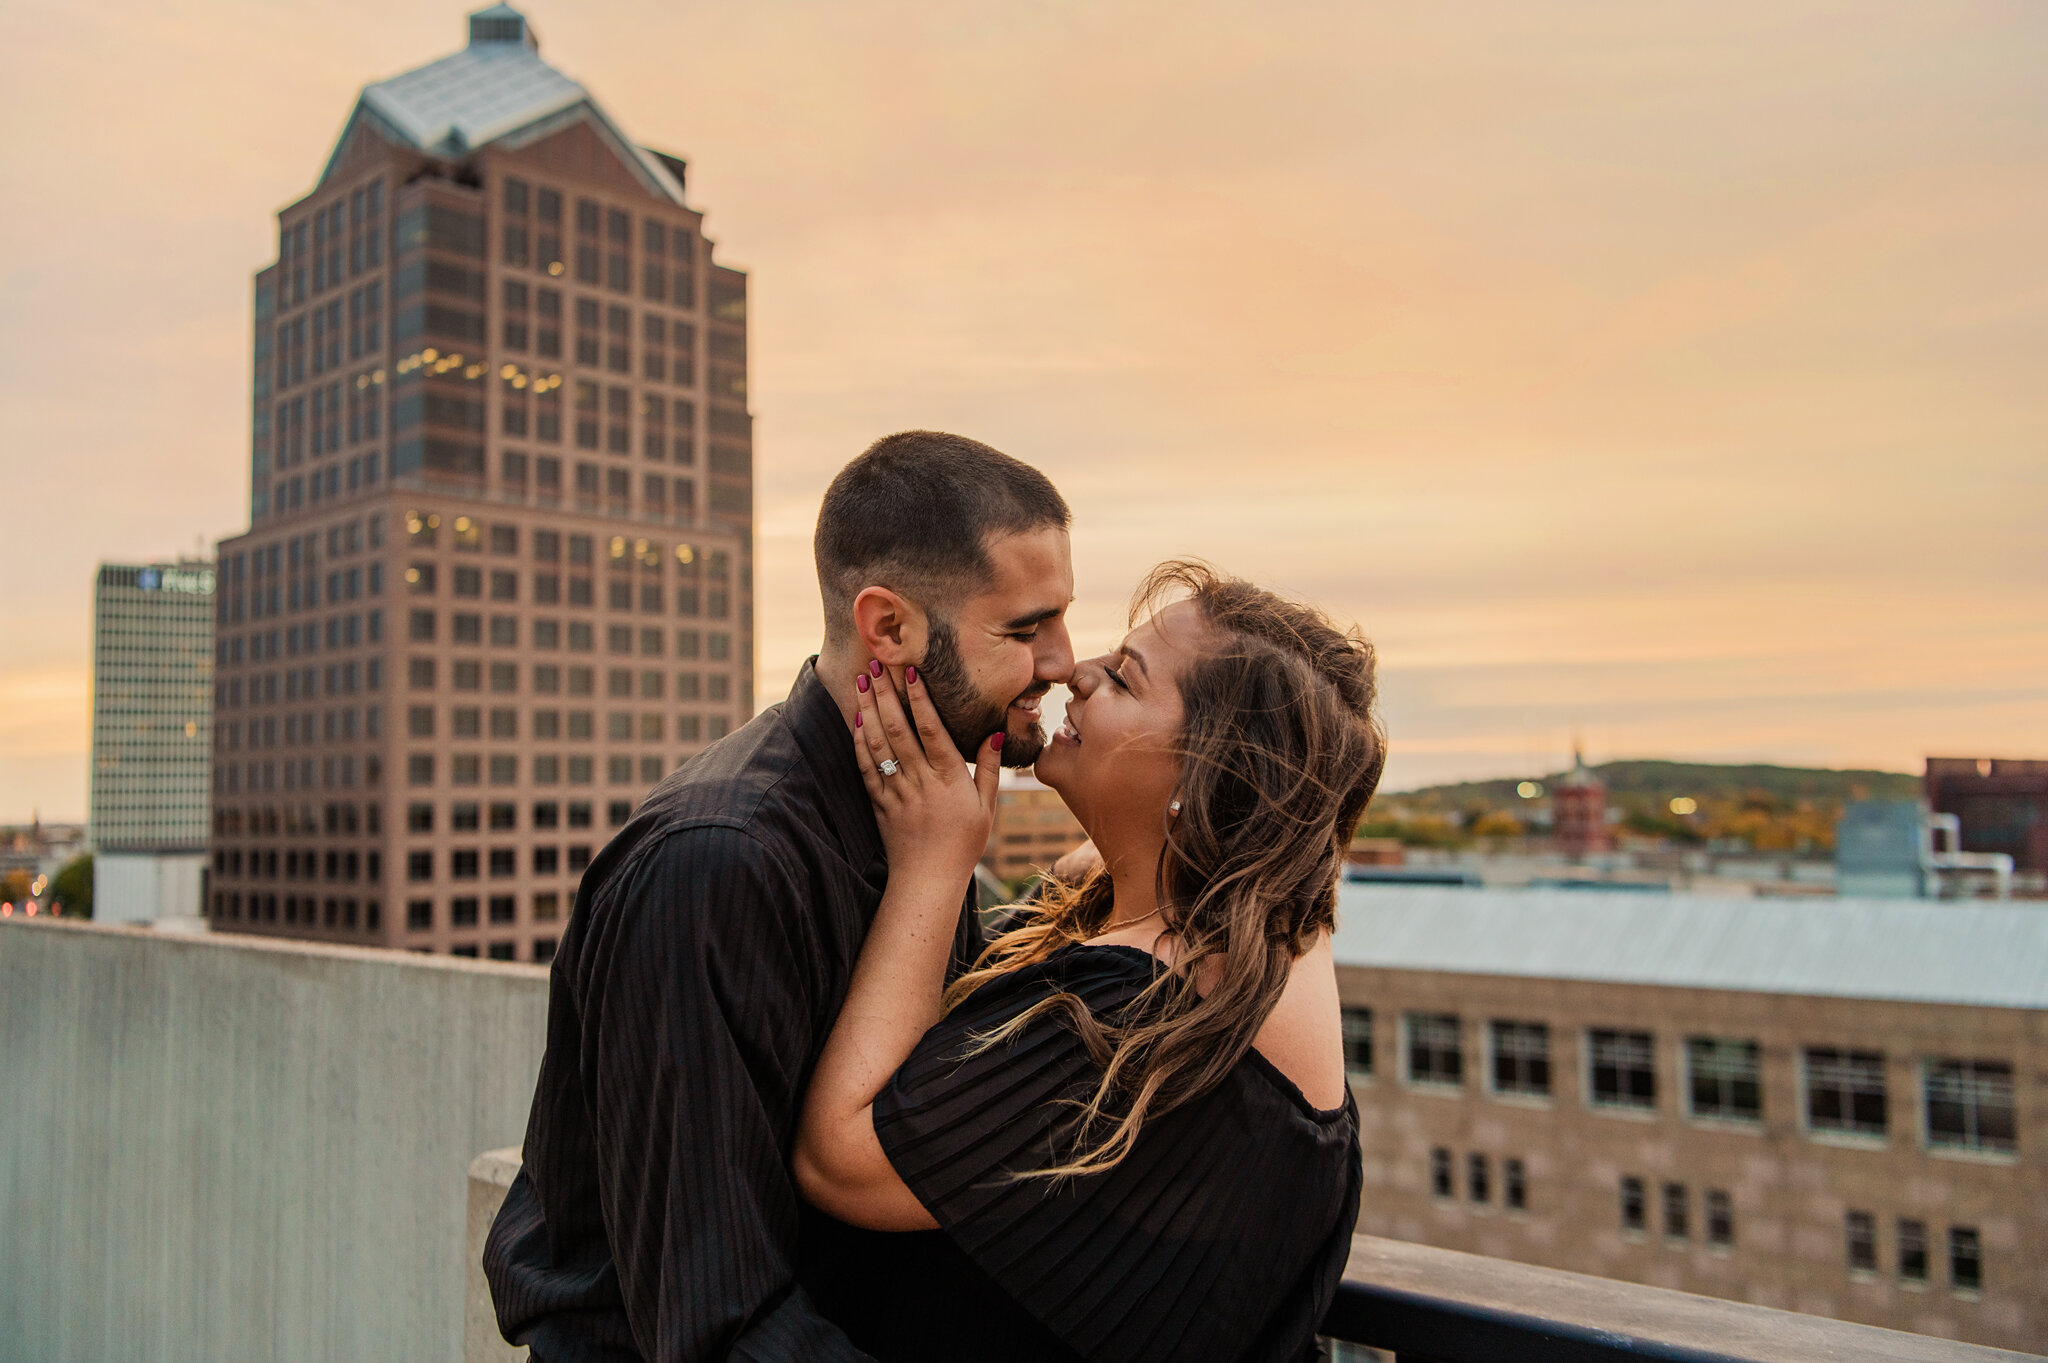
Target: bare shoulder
column 1304, row 1036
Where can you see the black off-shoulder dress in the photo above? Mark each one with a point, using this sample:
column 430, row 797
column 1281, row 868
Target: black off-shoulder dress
column 1219, row 1239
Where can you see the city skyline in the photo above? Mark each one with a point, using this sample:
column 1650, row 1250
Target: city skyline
column 1665, row 378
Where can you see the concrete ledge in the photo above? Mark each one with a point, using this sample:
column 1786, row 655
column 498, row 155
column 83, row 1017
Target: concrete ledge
column 490, row 1174
column 1441, row 1306
column 225, row 1147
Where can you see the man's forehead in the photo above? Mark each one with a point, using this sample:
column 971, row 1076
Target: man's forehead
column 1032, row 573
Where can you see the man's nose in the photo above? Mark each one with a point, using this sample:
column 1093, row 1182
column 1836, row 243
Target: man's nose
column 1055, row 654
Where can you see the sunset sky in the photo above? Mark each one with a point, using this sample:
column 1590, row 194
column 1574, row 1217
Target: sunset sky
column 1671, row 374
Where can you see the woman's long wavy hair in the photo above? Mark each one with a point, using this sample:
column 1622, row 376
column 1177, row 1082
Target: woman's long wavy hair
column 1280, row 753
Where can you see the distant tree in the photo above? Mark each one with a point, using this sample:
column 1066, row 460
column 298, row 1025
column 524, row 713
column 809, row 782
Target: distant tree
column 72, row 887
column 14, row 886
column 1496, row 823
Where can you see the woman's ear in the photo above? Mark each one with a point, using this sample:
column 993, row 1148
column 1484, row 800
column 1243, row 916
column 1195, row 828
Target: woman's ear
column 890, row 627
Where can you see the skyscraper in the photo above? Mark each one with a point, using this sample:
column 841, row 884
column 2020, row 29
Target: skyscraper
column 498, row 574
column 152, row 672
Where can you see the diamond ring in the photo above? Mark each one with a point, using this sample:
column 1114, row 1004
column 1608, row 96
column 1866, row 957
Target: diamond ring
column 890, row 766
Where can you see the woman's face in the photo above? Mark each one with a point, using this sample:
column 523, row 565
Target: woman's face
column 1115, row 760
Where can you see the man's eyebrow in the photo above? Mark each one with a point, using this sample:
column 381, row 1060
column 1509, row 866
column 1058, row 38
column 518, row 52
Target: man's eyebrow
column 1035, row 618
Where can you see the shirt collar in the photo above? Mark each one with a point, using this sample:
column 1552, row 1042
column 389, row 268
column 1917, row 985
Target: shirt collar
column 827, row 745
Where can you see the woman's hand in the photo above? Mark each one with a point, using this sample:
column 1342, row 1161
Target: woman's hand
column 935, row 818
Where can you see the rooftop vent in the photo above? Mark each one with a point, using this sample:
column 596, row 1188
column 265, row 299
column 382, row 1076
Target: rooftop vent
column 501, row 24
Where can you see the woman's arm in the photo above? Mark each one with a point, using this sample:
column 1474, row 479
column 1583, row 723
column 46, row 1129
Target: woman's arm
column 935, row 823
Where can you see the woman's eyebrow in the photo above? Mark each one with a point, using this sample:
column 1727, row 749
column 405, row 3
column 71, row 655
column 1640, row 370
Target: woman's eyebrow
column 1137, row 658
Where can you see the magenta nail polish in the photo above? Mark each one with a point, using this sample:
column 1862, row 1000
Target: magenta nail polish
column 862, row 682
column 910, row 676
column 874, row 668
column 996, row 741
column 857, row 717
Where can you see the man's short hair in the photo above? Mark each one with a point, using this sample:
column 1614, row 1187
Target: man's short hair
column 915, row 513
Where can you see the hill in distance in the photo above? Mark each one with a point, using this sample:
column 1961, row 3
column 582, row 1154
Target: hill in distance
column 1657, row 782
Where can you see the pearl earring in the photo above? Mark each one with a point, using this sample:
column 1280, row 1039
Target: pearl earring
column 1173, row 807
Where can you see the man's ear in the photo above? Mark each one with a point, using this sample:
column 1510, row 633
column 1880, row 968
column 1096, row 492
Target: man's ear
column 892, row 628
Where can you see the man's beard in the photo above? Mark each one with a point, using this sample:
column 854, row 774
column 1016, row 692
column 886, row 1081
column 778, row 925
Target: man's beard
column 970, row 717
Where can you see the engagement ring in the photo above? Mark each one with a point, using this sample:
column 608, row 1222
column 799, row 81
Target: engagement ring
column 890, row 766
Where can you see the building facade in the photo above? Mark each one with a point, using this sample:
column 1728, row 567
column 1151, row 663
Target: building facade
column 498, row 576
column 1832, row 1108
column 152, row 736
column 1033, row 829
column 2001, row 804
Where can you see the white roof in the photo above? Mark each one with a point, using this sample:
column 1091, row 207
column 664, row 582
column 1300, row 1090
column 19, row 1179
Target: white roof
column 1992, row 955
column 490, row 90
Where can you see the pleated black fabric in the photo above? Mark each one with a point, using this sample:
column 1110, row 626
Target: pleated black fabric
column 713, row 939
column 1221, row 1236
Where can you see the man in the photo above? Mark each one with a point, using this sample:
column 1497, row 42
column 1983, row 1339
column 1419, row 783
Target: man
column 655, row 1217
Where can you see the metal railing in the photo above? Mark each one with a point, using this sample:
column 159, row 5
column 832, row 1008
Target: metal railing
column 1423, row 1305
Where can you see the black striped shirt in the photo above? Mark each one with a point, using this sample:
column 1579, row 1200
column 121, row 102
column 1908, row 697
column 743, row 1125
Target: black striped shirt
column 712, row 942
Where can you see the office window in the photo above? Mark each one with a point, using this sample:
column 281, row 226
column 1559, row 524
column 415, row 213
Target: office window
column 462, row 913
column 419, row 769
column 543, row 950
column 1514, row 1185
column 1435, row 1052
column 1521, row 1058
column 465, row 721
column 1623, row 1069
column 546, row 907
column 1912, row 1250
column 1720, row 1217
column 1965, row 1259
column 504, row 861
column 579, row 860
column 464, row 816
column 1478, row 1178
column 1845, row 1091
column 419, row 721
column 1859, row 1231
column 419, row 915
column 504, row 908
column 1677, row 1212
column 1634, row 1214
column 504, row 815
column 1358, row 1042
column 579, row 814
column 419, row 818
column 502, row 951
column 1440, row 1172
column 546, row 860
column 546, row 814
column 463, row 863
column 467, row 949
column 419, row 865
column 1722, row 1080
column 1969, row 1104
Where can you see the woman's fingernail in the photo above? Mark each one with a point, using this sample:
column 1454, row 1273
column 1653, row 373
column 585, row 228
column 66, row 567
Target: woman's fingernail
column 857, row 716
column 995, row 741
column 874, row 667
column 910, row 676
column 862, row 682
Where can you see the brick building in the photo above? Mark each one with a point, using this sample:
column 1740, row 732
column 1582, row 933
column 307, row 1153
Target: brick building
column 2001, row 803
column 1033, row 829
column 497, row 579
column 1832, row 1107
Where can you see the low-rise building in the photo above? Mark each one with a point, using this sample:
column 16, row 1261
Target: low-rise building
column 1033, row 829
column 1832, row 1107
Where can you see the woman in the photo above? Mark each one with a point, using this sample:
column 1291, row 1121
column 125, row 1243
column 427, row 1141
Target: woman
column 1129, row 1123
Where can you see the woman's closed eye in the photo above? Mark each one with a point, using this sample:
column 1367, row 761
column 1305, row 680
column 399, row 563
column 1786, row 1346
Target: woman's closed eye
column 1115, row 676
